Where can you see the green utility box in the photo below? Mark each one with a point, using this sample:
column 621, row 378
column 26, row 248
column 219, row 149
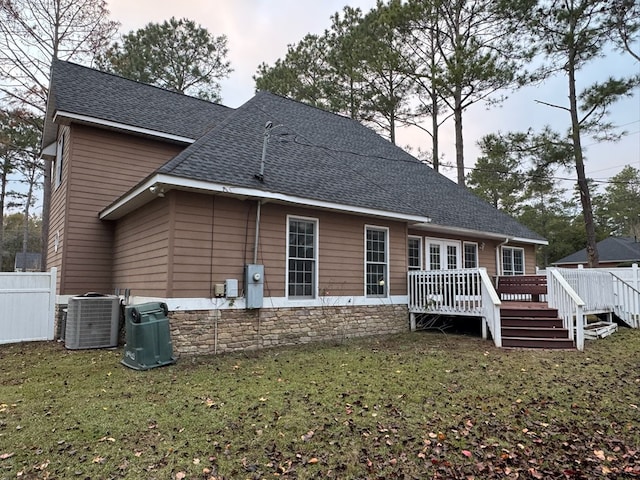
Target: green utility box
column 148, row 339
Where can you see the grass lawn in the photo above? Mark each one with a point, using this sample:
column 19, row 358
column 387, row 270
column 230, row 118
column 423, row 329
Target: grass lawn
column 421, row 405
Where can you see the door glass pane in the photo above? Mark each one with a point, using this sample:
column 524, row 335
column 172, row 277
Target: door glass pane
column 434, row 257
column 452, row 257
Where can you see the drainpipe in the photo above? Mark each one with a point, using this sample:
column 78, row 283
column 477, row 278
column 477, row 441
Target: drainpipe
column 257, row 239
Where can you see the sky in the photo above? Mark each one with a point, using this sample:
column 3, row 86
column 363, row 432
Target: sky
column 260, row 30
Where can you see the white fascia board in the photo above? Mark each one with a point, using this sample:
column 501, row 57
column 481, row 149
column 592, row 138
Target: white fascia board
column 119, row 126
column 170, row 182
column 476, row 233
column 528, row 240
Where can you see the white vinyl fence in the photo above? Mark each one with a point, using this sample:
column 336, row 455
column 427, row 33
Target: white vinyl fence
column 27, row 306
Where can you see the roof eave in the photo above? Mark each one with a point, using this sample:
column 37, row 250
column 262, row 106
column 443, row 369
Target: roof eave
column 69, row 117
column 431, row 227
column 143, row 194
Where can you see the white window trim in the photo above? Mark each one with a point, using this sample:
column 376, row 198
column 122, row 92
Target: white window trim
column 510, row 247
column 316, row 256
column 420, row 251
column 443, row 242
column 57, row 174
column 475, row 244
column 386, row 260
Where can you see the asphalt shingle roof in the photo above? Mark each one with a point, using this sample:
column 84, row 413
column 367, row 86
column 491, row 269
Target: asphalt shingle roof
column 312, row 154
column 91, row 93
column 322, row 156
column 611, row 249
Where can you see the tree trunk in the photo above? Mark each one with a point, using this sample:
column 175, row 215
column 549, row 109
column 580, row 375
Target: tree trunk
column 434, row 112
column 3, row 193
column 583, row 186
column 457, row 116
column 392, row 112
column 46, row 201
column 25, row 228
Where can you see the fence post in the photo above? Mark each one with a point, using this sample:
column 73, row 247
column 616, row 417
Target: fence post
column 579, row 328
column 52, row 303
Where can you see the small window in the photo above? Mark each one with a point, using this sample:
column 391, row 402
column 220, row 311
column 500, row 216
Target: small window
column 57, row 174
column 470, row 255
column 302, row 258
column 414, row 253
column 376, row 266
column 512, row 261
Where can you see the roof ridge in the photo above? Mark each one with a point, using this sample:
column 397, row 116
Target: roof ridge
column 267, row 92
column 115, row 75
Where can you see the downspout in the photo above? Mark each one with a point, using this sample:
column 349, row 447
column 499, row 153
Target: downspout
column 257, row 239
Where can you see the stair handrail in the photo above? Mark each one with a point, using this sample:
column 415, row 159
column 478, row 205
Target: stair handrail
column 570, row 306
column 627, row 301
column 491, row 307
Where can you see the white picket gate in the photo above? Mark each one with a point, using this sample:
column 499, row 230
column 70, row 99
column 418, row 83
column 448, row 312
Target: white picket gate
column 27, row 306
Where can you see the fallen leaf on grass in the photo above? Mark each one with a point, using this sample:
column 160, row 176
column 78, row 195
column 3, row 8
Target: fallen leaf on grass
column 180, row 475
column 107, row 439
column 99, row 460
column 4, row 456
column 313, row 460
column 599, row 454
column 307, row 436
column 467, row 453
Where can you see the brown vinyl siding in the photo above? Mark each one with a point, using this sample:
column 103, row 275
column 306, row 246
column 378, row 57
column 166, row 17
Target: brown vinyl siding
column 141, row 245
column 56, row 213
column 198, row 264
column 340, row 250
column 103, row 166
column 195, row 267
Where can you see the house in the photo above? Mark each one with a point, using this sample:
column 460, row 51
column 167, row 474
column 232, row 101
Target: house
column 27, row 262
column 273, row 223
column 612, row 251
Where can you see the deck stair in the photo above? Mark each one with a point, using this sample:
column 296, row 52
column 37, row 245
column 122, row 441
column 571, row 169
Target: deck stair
column 527, row 322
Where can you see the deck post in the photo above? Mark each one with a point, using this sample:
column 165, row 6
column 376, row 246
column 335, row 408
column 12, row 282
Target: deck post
column 484, row 328
column 412, row 317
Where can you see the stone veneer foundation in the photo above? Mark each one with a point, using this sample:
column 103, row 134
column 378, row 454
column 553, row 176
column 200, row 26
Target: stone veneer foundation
column 218, row 331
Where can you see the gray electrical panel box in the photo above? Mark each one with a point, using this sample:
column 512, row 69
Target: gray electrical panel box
column 254, row 285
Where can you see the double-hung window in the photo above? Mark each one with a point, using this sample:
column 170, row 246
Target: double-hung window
column 512, row 261
column 470, row 255
column 302, row 257
column 414, row 253
column 376, row 261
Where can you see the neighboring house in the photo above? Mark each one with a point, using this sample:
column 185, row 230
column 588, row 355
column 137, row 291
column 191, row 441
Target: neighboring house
column 172, row 197
column 612, row 251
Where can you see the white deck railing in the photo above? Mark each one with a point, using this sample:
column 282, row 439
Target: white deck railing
column 562, row 296
column 465, row 292
column 490, row 308
column 626, row 302
column 594, row 286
